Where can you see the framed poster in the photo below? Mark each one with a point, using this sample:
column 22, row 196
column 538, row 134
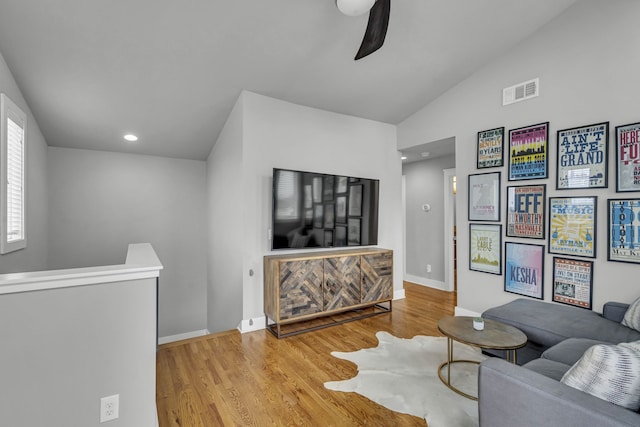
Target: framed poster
column 628, row 157
column 341, row 209
column 485, row 246
column 528, row 152
column 484, row 197
column 526, row 211
column 623, row 236
column 490, row 148
column 317, row 216
column 583, row 155
column 524, row 269
column 328, row 188
column 329, row 211
column 572, row 281
column 572, row 226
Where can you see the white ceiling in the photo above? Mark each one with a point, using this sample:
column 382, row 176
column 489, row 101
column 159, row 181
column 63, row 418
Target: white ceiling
column 170, row 71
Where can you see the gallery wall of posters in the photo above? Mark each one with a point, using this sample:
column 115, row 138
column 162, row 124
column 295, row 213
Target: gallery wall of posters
column 529, row 152
column 490, row 148
column 572, row 226
column 572, row 281
column 628, row 157
column 526, row 211
column 568, row 223
column 583, row 157
column 524, row 269
column 623, row 230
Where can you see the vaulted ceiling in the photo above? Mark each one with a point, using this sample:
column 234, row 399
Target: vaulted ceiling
column 170, row 71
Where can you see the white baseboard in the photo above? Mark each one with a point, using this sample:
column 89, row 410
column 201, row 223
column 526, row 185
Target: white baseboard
column 398, row 294
column 253, row 324
column 180, row 337
column 426, row 282
column 464, row 312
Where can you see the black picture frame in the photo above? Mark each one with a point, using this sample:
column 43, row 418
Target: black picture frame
column 354, row 232
column 484, row 197
column 573, row 226
column 582, row 157
column 526, row 211
column 627, row 154
column 490, row 148
column 529, row 152
column 572, row 282
column 623, row 224
column 524, row 269
column 485, row 248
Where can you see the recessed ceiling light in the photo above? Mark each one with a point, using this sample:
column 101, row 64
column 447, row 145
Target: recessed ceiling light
column 130, row 137
column 403, row 158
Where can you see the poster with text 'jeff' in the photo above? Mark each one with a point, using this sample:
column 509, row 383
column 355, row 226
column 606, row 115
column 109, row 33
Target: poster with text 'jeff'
column 526, row 211
column 528, row 152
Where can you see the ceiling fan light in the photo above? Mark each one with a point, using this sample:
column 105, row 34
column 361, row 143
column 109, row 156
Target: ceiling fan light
column 354, row 7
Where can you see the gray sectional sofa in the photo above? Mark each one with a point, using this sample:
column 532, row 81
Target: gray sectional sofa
column 532, row 394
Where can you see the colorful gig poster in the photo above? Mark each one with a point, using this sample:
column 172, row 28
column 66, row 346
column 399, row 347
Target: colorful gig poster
column 524, row 269
column 628, row 157
column 490, row 143
column 572, row 226
column 525, row 211
column 624, row 230
column 572, row 282
column 583, row 157
column 485, row 242
column 528, row 157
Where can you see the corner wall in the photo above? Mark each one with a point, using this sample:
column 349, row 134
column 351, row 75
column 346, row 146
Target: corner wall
column 275, row 133
column 588, row 74
column 34, row 256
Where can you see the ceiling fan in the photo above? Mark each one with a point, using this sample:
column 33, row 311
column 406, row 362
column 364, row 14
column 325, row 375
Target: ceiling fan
column 377, row 25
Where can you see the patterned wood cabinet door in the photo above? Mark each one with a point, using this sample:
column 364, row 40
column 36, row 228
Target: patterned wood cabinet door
column 300, row 288
column 377, row 277
column 342, row 282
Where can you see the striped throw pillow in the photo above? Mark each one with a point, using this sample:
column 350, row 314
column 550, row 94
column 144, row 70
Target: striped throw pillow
column 632, row 316
column 610, row 372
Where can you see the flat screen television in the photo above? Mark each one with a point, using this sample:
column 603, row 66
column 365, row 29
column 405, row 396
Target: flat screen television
column 317, row 210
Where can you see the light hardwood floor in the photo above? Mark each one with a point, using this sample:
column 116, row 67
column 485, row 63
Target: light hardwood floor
column 254, row 379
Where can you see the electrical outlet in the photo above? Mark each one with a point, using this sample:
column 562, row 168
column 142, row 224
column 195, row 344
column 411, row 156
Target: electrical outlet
column 109, row 408
column 428, row 268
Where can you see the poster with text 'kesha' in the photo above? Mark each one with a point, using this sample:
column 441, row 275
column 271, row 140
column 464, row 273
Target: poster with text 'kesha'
column 528, row 152
column 524, row 269
column 572, row 226
column 624, row 230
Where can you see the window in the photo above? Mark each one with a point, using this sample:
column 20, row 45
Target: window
column 287, row 195
column 12, row 169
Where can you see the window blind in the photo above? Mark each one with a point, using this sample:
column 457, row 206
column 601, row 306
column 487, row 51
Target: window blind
column 288, row 202
column 15, row 181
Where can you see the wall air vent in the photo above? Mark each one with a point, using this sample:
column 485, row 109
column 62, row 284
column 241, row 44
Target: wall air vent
column 521, row 92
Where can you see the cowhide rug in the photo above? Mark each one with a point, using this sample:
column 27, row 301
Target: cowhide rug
column 401, row 375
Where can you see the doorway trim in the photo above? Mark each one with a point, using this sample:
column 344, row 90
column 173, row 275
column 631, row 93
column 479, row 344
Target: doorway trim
column 449, row 222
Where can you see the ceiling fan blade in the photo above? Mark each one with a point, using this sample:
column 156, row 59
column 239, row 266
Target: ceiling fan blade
column 376, row 28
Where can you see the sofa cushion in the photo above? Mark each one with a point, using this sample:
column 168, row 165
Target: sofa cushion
column 610, row 372
column 548, row 368
column 570, row 350
column 632, row 316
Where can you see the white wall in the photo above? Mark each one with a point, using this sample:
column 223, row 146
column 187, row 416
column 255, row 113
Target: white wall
column 34, row 256
column 424, row 182
column 280, row 134
column 227, row 226
column 99, row 202
column 588, row 73
column 73, row 346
